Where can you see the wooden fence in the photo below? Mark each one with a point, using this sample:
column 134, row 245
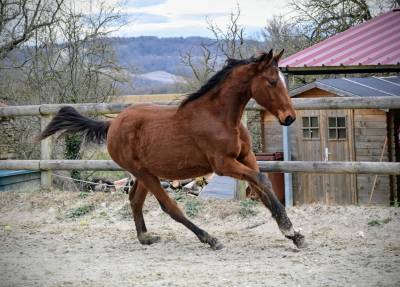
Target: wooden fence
column 326, row 103
column 265, row 166
column 47, row 110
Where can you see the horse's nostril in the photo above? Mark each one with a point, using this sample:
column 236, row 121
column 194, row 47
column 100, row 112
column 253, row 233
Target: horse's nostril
column 289, row 120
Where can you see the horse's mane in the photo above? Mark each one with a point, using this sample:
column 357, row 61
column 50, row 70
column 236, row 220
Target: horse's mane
column 218, row 78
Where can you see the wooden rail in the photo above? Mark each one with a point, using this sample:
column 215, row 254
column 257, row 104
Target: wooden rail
column 300, row 104
column 265, row 166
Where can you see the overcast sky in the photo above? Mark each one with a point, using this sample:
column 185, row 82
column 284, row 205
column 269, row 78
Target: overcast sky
column 171, row 18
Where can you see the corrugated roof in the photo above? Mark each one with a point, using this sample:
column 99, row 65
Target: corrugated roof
column 355, row 87
column 374, row 42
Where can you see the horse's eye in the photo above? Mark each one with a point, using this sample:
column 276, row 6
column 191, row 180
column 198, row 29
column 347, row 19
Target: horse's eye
column 272, row 82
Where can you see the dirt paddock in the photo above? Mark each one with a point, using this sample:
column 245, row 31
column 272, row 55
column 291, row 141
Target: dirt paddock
column 72, row 239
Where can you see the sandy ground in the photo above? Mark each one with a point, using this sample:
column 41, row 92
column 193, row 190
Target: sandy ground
column 41, row 246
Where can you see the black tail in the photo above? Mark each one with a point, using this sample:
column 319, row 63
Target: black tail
column 69, row 120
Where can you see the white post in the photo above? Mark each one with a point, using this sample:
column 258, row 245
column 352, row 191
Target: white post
column 288, row 176
column 287, row 157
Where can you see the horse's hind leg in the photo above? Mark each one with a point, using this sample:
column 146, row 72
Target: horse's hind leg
column 137, row 196
column 171, row 208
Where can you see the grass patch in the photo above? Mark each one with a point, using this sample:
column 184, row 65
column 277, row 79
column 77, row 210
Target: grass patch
column 377, row 222
column 247, row 208
column 83, row 194
column 179, row 196
column 192, row 207
column 80, row 211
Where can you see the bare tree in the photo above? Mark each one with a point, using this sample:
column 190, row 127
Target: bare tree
column 70, row 61
column 202, row 67
column 283, row 34
column 20, row 19
column 321, row 19
column 228, row 42
column 231, row 39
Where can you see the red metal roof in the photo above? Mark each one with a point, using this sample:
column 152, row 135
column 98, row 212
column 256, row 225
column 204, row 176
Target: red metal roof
column 374, row 42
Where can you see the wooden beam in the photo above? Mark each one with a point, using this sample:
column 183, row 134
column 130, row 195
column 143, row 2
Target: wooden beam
column 79, row 165
column 19, row 164
column 91, row 108
column 265, row 166
column 46, row 179
column 15, row 111
column 328, row 167
column 324, row 103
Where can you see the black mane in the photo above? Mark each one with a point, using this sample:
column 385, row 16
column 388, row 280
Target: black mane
column 218, row 78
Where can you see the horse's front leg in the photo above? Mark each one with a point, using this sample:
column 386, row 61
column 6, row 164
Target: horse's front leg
column 249, row 171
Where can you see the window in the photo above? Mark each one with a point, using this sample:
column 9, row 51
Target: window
column 310, row 128
column 337, row 128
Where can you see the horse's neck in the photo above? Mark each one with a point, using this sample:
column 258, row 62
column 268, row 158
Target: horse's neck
column 228, row 102
column 231, row 103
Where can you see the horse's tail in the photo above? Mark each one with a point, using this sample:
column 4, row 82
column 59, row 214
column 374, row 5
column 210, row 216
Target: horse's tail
column 69, row 120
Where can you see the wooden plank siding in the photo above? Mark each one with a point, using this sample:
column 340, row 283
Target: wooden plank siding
column 273, row 137
column 370, row 132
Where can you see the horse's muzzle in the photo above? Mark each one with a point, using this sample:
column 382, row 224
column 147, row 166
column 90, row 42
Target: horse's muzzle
column 288, row 121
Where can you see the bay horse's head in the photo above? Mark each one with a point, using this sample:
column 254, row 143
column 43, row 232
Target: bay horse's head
column 269, row 89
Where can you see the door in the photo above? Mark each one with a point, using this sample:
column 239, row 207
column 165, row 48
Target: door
column 308, row 187
column 338, row 146
column 325, row 135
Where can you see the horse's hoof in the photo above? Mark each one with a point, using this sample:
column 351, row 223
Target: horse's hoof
column 215, row 244
column 148, row 239
column 299, row 240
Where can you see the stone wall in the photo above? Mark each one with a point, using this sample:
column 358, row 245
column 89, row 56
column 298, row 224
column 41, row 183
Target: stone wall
column 17, row 138
column 7, row 140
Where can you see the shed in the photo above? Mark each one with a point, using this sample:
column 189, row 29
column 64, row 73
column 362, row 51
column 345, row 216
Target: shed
column 341, row 135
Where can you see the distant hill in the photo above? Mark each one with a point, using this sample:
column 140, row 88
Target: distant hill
column 162, row 77
column 149, row 54
column 154, row 64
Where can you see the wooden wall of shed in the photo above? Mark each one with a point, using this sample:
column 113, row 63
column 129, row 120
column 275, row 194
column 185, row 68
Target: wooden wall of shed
column 370, row 132
column 272, row 136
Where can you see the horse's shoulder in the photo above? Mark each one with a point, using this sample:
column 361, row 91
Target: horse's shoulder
column 244, row 133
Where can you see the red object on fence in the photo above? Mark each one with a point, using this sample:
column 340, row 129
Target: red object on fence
column 277, row 178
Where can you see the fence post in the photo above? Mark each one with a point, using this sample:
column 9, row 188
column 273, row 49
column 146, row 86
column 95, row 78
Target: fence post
column 46, row 178
column 287, row 156
column 241, row 185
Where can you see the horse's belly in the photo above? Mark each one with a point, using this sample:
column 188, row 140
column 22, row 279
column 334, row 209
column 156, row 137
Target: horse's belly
column 175, row 159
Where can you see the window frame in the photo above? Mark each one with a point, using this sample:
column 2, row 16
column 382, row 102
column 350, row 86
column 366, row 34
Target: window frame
column 309, row 128
column 336, row 128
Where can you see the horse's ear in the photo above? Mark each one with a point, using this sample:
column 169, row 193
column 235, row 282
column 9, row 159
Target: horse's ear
column 277, row 57
column 265, row 59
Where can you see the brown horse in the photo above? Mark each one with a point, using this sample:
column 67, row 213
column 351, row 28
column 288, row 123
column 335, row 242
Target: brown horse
column 203, row 135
